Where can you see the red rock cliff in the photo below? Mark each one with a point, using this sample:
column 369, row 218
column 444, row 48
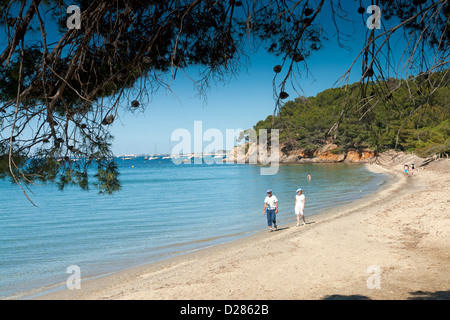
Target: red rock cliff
column 330, row 153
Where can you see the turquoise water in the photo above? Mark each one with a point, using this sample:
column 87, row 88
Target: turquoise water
column 163, row 210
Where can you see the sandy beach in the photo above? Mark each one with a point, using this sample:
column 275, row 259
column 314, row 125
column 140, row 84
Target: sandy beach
column 394, row 244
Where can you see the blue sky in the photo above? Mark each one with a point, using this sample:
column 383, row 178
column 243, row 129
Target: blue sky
column 238, row 104
column 242, row 102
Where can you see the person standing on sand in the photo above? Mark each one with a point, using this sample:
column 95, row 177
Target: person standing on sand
column 300, row 206
column 406, row 169
column 271, row 209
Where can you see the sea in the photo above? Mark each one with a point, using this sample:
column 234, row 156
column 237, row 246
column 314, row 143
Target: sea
column 164, row 209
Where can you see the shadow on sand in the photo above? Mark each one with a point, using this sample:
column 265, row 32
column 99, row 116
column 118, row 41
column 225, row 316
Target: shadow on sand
column 416, row 295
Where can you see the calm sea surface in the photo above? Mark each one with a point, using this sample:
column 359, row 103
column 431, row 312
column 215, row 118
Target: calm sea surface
column 163, row 210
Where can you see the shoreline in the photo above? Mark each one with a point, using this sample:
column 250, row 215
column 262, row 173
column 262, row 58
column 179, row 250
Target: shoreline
column 328, row 259
column 55, row 288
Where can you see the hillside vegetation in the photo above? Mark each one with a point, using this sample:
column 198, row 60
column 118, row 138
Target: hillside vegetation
column 387, row 115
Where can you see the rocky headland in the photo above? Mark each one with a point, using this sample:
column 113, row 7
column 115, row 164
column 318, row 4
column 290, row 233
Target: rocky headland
column 330, row 153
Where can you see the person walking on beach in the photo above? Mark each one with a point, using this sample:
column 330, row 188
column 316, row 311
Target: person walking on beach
column 300, row 206
column 271, row 209
column 406, row 169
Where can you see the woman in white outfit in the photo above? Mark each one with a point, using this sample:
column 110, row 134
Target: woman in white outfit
column 300, row 206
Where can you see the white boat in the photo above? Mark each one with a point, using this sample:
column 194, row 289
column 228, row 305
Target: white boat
column 127, row 157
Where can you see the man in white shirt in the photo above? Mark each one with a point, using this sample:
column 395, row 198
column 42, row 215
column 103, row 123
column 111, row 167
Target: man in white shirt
column 271, row 209
column 300, row 206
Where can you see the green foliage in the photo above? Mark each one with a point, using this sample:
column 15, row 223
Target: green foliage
column 107, row 176
column 47, row 166
column 18, row 159
column 412, row 117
